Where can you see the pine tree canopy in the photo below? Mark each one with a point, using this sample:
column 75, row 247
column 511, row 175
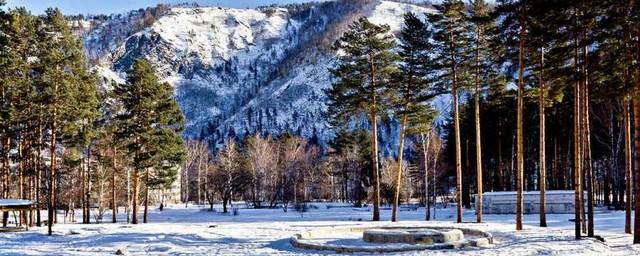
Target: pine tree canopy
column 151, row 123
column 452, row 39
column 365, row 65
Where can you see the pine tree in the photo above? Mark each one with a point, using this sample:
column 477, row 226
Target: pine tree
column 483, row 25
column 616, row 75
column 451, row 36
column 81, row 129
column 540, row 36
column 365, row 66
column 578, row 21
column 110, row 146
column 411, row 93
column 16, row 98
column 150, row 124
column 167, row 146
column 514, row 29
column 62, row 81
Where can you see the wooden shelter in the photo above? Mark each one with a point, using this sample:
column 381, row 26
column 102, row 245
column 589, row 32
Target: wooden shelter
column 16, row 205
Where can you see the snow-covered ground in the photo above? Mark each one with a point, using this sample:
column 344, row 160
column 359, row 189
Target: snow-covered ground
column 14, row 202
column 195, row 231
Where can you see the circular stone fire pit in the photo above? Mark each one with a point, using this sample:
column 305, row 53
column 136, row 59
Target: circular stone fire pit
column 385, row 239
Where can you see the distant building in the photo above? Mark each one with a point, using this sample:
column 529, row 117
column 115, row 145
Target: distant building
column 557, row 201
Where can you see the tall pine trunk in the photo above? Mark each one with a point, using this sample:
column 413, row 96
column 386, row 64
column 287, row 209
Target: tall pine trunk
column 587, row 148
column 146, row 199
column 396, row 202
column 52, row 172
column 376, row 172
column 627, row 165
column 6, row 145
column 374, row 140
column 543, row 166
column 636, row 159
column 39, row 172
column 611, row 171
column 577, row 165
column 519, row 132
column 88, row 191
column 502, row 184
column 636, row 122
column 114, row 206
column 456, row 125
column 134, row 196
column 458, row 154
column 85, row 187
column 425, row 147
column 478, row 137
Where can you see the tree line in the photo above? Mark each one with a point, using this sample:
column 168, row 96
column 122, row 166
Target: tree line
column 509, row 63
column 65, row 139
column 288, row 171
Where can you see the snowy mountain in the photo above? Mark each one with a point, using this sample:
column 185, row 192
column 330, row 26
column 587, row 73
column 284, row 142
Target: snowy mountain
column 241, row 71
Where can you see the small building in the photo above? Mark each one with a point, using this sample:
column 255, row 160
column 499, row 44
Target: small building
column 504, row 202
column 24, row 207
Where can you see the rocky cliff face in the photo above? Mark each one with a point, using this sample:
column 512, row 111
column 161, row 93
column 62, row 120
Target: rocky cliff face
column 242, row 71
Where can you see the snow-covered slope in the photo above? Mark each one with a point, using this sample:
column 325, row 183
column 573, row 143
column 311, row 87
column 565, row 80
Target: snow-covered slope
column 239, row 71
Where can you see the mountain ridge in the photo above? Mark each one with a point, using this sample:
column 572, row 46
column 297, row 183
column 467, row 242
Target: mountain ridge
column 244, row 71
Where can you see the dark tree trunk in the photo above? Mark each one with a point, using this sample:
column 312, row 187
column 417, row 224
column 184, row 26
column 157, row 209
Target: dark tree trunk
column 542, row 146
column 587, row 153
column 478, row 133
column 374, row 139
column 456, row 125
column 577, row 167
column 114, row 205
column 146, row 199
column 134, row 199
column 39, row 174
column 627, row 166
column 520, row 131
column 88, row 191
column 636, row 121
column 466, row 180
column 52, row 174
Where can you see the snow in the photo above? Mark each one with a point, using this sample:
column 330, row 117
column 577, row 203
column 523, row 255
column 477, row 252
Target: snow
column 228, row 64
column 218, row 32
column 14, row 202
column 392, row 13
column 109, row 75
column 186, row 231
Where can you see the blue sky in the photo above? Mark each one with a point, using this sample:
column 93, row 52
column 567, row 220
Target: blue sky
column 119, row 6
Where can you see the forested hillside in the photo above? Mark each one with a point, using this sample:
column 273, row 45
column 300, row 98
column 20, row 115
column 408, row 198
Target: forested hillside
column 241, row 71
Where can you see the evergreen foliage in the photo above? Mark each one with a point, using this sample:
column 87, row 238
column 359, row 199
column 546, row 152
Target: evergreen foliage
column 150, row 126
column 365, row 68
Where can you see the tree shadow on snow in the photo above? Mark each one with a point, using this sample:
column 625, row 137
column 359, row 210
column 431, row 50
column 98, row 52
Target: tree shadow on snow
column 284, row 246
column 149, row 243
